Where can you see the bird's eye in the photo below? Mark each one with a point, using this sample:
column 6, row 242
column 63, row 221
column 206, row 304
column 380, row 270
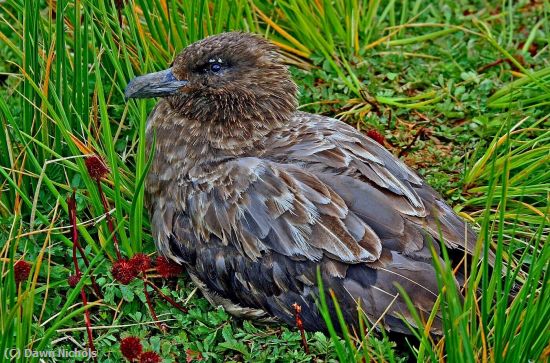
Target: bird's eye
column 215, row 67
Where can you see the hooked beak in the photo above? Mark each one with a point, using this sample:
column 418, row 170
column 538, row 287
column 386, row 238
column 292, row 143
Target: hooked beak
column 158, row 84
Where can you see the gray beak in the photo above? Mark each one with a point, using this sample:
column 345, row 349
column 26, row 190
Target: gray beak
column 158, row 84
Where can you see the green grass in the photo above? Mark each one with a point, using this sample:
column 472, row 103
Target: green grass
column 460, row 90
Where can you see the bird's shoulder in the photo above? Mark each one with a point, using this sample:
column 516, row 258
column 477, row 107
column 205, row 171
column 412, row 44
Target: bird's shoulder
column 326, row 145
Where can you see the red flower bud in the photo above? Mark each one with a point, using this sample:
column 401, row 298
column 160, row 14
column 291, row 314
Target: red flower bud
column 96, row 167
column 21, row 269
column 131, row 348
column 140, row 262
column 123, row 271
column 149, row 357
column 376, row 136
column 73, row 280
column 167, row 268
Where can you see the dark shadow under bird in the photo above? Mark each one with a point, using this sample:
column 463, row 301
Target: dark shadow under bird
column 252, row 196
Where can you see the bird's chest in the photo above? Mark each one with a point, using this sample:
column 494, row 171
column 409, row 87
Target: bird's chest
column 183, row 175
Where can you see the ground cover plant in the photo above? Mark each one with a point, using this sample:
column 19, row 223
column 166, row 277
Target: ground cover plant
column 460, row 90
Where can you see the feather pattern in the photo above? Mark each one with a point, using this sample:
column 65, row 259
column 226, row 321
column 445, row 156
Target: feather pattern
column 363, row 216
column 253, row 197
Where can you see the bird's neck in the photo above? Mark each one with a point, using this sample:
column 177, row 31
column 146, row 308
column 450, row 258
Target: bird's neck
column 188, row 144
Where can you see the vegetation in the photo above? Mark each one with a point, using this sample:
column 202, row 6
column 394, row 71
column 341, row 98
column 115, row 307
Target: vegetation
column 459, row 89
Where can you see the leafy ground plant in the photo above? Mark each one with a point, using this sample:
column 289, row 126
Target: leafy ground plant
column 458, row 90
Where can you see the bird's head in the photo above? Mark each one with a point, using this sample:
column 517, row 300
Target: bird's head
column 229, row 78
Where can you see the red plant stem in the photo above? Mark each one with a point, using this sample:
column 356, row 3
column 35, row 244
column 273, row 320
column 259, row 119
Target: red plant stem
column 151, row 308
column 109, row 219
column 95, row 286
column 87, row 320
column 299, row 323
column 72, row 216
column 165, row 297
column 71, row 204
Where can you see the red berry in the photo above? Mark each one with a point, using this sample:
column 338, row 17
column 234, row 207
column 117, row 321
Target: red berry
column 149, row 357
column 123, row 271
column 96, row 167
column 141, row 262
column 167, row 268
column 21, row 269
column 131, row 348
column 376, row 136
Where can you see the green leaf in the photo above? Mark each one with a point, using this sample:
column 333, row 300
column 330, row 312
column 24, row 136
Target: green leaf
column 127, row 293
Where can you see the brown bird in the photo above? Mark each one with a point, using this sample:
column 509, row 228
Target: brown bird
column 253, row 196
